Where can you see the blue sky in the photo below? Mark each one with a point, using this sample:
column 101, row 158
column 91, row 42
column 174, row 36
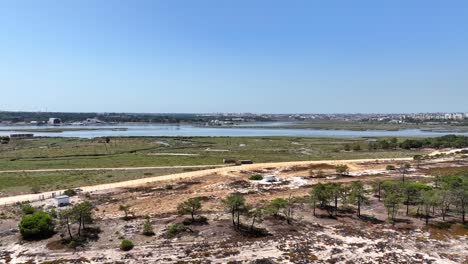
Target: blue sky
column 234, row 56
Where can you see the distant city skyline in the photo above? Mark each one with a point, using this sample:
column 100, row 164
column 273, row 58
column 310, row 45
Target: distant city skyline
column 464, row 113
column 243, row 56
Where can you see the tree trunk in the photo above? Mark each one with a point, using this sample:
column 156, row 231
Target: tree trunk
column 336, row 205
column 380, row 190
column 79, row 228
column 407, row 204
column 68, row 228
column 83, row 222
column 443, row 211
column 233, row 218
column 252, row 225
column 463, row 212
column 359, row 208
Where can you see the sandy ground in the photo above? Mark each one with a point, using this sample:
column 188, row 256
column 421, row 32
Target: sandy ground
column 310, row 239
column 184, row 175
column 191, row 175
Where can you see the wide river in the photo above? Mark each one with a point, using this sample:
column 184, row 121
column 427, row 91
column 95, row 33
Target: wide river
column 189, row 130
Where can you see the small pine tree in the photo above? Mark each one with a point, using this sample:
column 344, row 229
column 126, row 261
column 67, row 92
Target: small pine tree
column 148, row 228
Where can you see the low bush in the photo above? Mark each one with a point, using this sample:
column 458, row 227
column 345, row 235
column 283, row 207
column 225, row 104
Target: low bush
column 256, row 177
column 69, row 192
column 126, row 245
column 76, row 242
column 36, row 226
column 4, row 140
column 199, row 220
column 356, row 147
column 174, row 229
column 27, row 209
column 35, row 189
column 390, row 167
column 148, row 228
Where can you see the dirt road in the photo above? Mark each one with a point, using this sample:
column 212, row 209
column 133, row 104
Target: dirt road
column 115, row 169
column 193, row 174
column 181, row 176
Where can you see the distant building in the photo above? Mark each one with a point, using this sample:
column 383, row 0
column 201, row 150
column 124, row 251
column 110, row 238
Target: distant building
column 458, row 116
column 54, row 121
column 93, row 121
column 62, row 200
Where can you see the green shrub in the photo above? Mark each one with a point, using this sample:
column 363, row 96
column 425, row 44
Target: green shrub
column 35, row 189
column 390, row 167
column 256, row 177
column 174, row 229
column 69, row 192
column 356, row 147
column 200, row 220
column 52, row 212
column 4, row 140
column 126, row 245
column 148, row 228
column 27, row 209
column 36, row 226
column 76, row 242
column 72, row 244
column 168, row 187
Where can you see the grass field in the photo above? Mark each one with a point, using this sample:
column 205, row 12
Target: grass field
column 25, row 182
column 68, row 153
column 49, row 153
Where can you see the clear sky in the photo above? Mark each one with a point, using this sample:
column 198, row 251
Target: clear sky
column 234, row 56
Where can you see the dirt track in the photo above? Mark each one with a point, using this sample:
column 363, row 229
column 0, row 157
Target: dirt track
column 180, row 176
column 115, row 169
column 189, row 175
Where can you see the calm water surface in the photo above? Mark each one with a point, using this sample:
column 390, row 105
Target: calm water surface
column 189, row 130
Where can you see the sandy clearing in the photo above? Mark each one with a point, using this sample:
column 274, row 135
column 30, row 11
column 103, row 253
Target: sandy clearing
column 194, row 174
column 183, row 175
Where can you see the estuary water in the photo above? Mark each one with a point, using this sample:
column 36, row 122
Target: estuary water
column 186, row 130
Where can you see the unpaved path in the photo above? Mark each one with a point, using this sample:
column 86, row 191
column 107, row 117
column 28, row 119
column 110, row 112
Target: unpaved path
column 181, row 176
column 193, row 174
column 116, row 169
